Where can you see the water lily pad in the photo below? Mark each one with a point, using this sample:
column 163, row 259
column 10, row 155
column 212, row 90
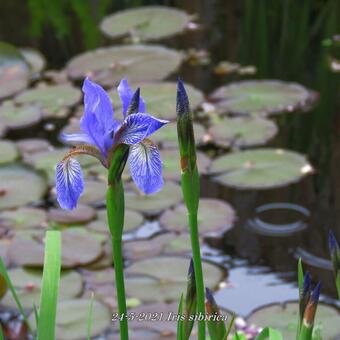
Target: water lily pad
column 179, row 244
column 242, row 131
column 168, row 281
column 101, row 283
column 27, row 284
column 8, row 152
column 34, row 58
column 23, row 218
column 132, row 221
column 283, row 317
column 19, row 116
column 14, row 71
column 28, row 146
column 145, row 23
column 214, row 217
column 19, row 186
column 72, row 315
column 166, row 137
column 47, row 161
column 139, row 249
column 94, row 192
column 164, row 320
column 171, row 163
column 160, row 98
column 260, row 168
column 82, row 214
column 53, row 100
column 135, row 62
column 79, row 248
column 261, row 97
column 169, row 196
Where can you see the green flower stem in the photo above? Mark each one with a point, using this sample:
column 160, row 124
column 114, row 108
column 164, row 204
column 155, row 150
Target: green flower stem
column 115, row 201
column 115, row 206
column 191, row 192
column 196, row 255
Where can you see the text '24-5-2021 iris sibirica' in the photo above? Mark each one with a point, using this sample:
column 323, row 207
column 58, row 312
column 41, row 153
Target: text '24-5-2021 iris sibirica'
column 101, row 133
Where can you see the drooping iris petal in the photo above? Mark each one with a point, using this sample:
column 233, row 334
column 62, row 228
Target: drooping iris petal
column 75, row 138
column 137, row 127
column 125, row 94
column 97, row 101
column 69, row 183
column 146, row 166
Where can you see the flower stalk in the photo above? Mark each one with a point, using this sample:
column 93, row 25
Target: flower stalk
column 191, row 191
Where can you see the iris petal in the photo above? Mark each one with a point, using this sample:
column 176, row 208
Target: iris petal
column 125, row 94
column 75, row 138
column 137, row 127
column 69, row 183
column 146, row 167
column 97, row 101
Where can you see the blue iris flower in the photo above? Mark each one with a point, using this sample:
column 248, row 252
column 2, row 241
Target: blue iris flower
column 100, row 133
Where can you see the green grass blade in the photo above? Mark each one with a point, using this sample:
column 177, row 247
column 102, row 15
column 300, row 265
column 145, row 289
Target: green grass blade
column 50, row 286
column 90, row 318
column 230, row 326
column 300, row 276
column 180, row 322
column 36, row 315
column 1, row 333
column 4, row 273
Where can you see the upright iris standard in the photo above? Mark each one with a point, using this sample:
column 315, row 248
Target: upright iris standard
column 113, row 143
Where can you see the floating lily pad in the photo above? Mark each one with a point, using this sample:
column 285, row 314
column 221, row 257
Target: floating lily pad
column 136, row 250
column 47, row 161
column 145, row 23
column 94, row 192
column 19, row 117
column 32, row 145
column 214, row 217
column 168, row 281
column 169, row 196
column 72, row 318
column 53, row 100
column 135, row 62
column 82, row 214
column 160, row 98
column 179, row 244
column 14, row 71
column 166, row 137
column 79, row 248
column 171, row 163
column 8, row 152
column 23, row 218
column 133, row 220
column 260, row 168
column 19, row 186
column 283, row 317
column 242, row 131
column 261, row 97
column 101, row 283
column 164, row 320
column 27, row 284
column 34, row 58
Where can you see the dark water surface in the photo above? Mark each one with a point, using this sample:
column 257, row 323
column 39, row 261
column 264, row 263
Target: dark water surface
column 307, row 209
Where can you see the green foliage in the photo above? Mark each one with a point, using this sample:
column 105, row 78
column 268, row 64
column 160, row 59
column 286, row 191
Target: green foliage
column 269, row 334
column 50, row 286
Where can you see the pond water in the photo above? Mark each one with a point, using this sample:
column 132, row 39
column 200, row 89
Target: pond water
column 276, row 226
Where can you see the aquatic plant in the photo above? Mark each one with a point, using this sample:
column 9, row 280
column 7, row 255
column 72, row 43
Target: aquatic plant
column 113, row 143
